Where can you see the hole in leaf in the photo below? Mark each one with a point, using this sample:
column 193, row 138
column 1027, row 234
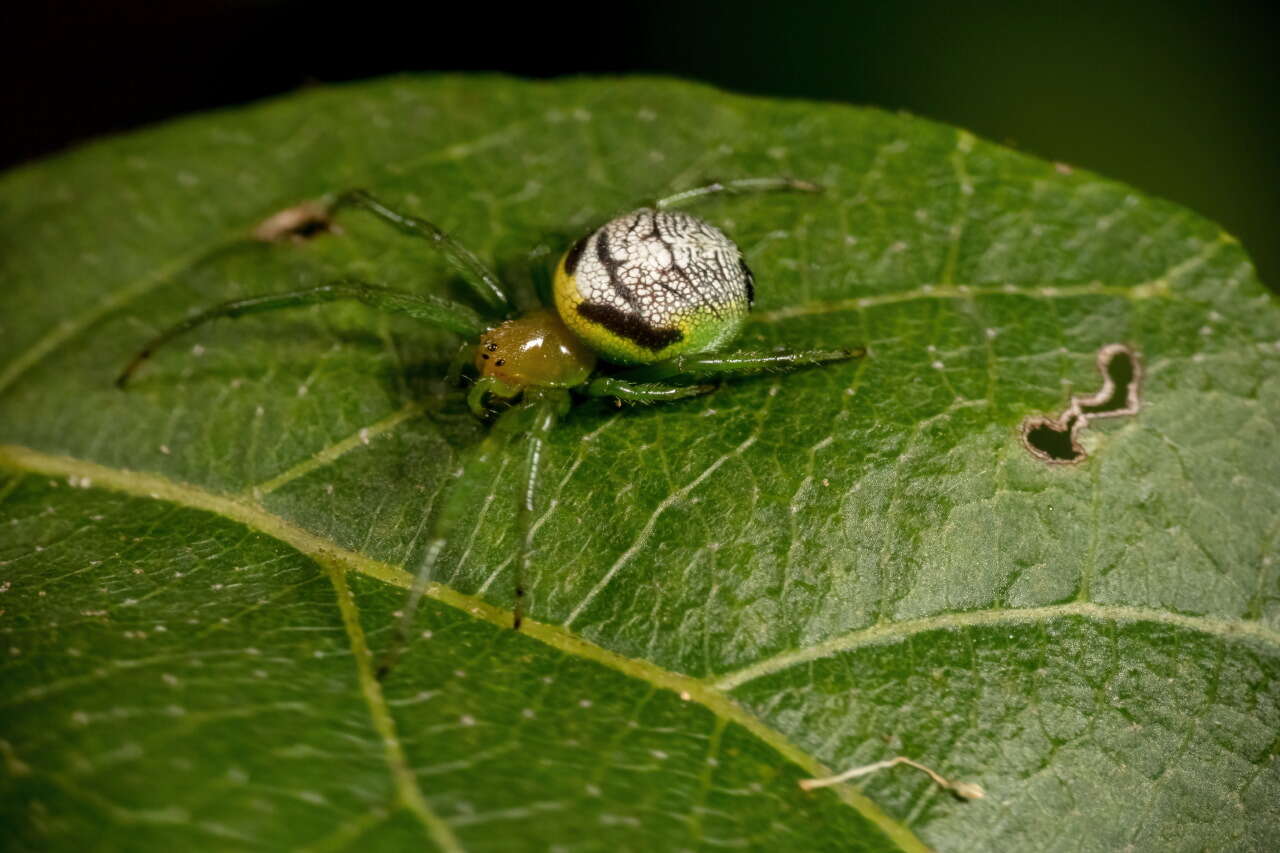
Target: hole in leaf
column 1053, row 441
column 1056, row 440
column 1119, row 394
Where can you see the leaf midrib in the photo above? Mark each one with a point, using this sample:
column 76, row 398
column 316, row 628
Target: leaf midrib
column 710, row 692
column 337, row 560
column 408, row 793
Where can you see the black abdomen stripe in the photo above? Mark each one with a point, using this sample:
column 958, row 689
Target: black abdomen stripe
column 751, row 282
column 629, row 326
column 574, row 254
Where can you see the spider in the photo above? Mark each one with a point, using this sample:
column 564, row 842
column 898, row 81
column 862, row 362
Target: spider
column 657, row 294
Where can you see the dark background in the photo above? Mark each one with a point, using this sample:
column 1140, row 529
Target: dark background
column 1175, row 98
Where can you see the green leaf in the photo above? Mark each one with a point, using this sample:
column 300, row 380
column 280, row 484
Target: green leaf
column 792, row 576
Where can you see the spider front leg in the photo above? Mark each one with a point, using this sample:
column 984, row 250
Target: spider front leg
column 462, row 259
column 431, row 310
column 483, row 387
column 400, row 638
column 533, row 419
column 715, row 366
column 457, row 364
column 546, row 407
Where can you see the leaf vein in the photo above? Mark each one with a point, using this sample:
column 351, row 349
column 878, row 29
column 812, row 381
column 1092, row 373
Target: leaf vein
column 336, row 560
column 893, row 631
column 406, row 784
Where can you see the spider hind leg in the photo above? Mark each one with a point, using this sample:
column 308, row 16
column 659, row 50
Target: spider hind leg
column 701, row 368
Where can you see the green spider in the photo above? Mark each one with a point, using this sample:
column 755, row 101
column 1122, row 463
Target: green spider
column 657, row 293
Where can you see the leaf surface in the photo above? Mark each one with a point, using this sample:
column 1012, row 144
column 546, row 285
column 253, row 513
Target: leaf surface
column 793, row 575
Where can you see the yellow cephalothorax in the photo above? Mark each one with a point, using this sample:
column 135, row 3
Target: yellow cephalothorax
column 534, row 349
column 654, row 284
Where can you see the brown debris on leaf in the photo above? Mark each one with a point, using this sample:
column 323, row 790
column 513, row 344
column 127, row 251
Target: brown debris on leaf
column 296, row 224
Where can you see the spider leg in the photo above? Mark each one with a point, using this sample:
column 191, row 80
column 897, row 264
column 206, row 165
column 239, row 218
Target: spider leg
column 432, row 310
column 532, row 419
column 547, row 407
column 738, row 187
column 462, row 259
column 401, row 636
column 642, row 392
column 453, row 376
column 716, row 365
column 485, row 386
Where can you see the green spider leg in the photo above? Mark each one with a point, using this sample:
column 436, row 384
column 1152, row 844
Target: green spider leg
column 642, row 392
column 722, row 365
column 431, row 310
column 741, row 186
column 530, row 420
column 670, row 380
column 463, row 260
column 400, row 638
column 547, row 407
column 482, row 388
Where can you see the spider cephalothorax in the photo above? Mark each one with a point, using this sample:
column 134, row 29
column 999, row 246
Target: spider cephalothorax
column 534, row 349
column 657, row 292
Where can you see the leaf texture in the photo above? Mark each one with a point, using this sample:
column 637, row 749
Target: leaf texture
column 790, row 576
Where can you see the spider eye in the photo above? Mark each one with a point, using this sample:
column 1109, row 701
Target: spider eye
column 654, row 284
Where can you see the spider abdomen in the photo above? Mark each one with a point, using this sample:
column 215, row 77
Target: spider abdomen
column 654, row 284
